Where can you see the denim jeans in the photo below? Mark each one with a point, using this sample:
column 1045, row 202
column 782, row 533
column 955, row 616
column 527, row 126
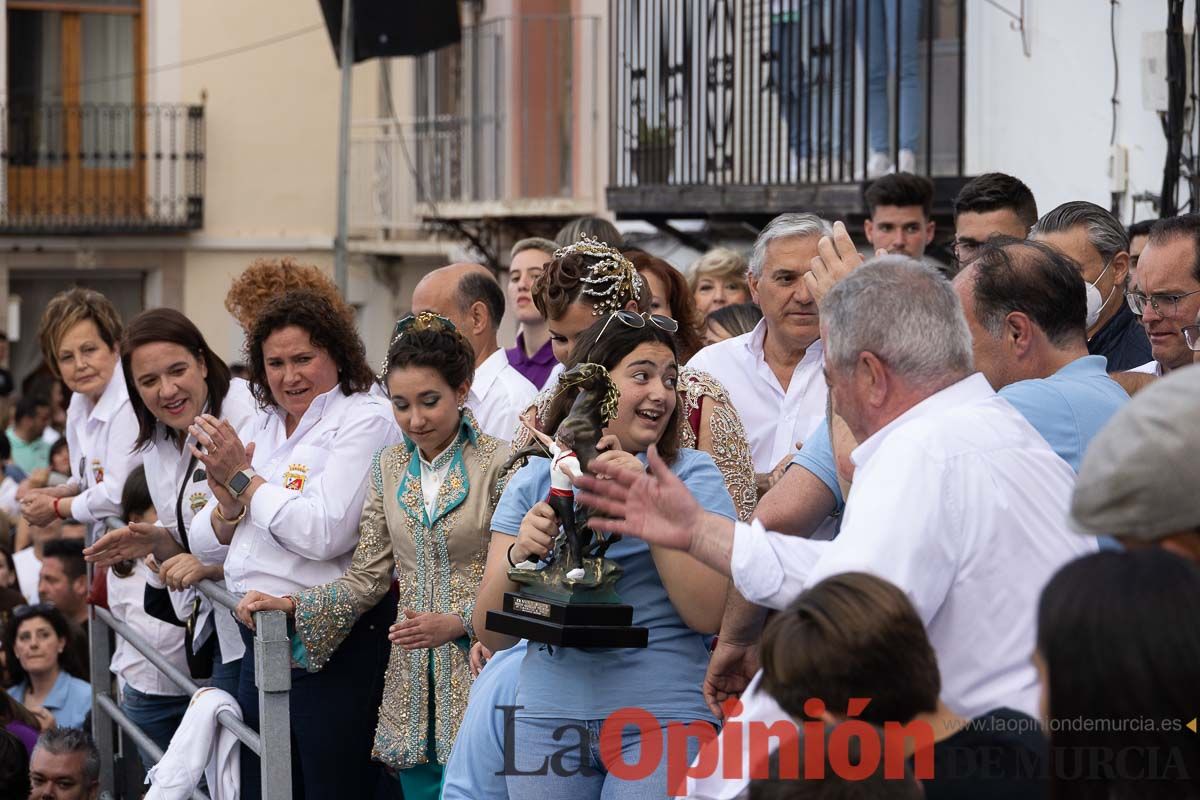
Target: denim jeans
column 569, row 750
column 807, row 45
column 225, row 676
column 877, row 36
column 157, row 715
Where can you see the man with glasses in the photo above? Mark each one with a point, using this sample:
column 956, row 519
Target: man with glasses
column 1096, row 241
column 1167, row 293
column 991, row 204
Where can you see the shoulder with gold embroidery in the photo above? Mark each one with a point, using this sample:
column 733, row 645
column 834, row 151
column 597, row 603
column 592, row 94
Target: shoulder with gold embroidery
column 730, row 448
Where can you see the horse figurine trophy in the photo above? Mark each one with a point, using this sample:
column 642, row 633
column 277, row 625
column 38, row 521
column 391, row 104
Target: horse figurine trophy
column 570, row 599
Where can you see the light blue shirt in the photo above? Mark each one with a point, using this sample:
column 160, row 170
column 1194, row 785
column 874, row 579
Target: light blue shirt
column 476, row 765
column 69, row 700
column 1067, row 409
column 663, row 678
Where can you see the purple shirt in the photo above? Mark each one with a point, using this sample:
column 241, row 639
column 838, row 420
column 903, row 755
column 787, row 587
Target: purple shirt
column 26, row 734
column 535, row 368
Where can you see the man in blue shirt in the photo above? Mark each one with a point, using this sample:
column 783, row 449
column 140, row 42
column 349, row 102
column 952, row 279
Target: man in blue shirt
column 1025, row 305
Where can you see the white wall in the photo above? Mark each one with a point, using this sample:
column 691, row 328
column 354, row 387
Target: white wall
column 1047, row 118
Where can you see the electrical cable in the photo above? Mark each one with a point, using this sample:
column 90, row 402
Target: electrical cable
column 190, row 62
column 1112, row 27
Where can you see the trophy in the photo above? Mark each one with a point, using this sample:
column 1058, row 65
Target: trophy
column 571, row 599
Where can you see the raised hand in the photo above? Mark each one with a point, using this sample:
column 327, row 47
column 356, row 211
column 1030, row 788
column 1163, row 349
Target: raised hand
column 220, row 449
column 836, row 258
column 654, row 506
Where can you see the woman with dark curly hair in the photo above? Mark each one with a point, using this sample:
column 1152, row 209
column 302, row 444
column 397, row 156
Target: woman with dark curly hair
column 428, row 515
column 288, row 493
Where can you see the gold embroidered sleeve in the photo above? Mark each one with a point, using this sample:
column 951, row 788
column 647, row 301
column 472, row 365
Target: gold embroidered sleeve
column 726, row 437
column 325, row 614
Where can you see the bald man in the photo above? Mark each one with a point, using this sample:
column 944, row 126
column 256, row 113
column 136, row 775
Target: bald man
column 470, row 297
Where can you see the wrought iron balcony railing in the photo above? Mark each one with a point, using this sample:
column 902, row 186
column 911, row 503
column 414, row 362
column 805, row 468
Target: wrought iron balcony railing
column 757, row 106
column 84, row 169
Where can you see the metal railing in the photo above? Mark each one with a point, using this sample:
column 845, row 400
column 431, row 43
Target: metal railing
column 90, row 168
column 509, row 114
column 272, row 675
column 733, row 93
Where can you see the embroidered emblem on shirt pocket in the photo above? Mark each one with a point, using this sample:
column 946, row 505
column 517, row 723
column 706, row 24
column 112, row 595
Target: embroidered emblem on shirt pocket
column 97, row 471
column 197, row 501
column 295, row 477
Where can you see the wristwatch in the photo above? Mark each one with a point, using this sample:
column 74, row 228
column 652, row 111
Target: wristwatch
column 241, row 481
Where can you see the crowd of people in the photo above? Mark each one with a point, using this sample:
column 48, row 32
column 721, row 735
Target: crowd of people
column 868, row 493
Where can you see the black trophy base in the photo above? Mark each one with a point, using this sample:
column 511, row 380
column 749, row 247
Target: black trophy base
column 567, row 624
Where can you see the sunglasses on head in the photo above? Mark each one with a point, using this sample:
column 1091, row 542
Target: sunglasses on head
column 23, row 612
column 632, row 319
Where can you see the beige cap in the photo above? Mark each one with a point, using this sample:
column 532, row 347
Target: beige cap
column 1140, row 477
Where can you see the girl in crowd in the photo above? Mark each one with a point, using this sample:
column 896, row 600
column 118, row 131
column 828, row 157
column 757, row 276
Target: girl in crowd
column 284, row 518
column 1118, row 644
column 80, row 337
column 428, row 513
column 173, row 377
column 726, row 322
column 718, row 278
column 673, row 595
column 40, row 660
column 19, row 721
column 669, row 296
column 589, row 279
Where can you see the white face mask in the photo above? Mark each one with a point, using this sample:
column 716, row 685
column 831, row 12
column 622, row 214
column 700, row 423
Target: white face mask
column 1094, row 301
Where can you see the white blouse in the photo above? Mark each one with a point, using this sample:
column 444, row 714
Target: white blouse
column 100, row 441
column 126, row 598
column 302, row 525
column 167, row 476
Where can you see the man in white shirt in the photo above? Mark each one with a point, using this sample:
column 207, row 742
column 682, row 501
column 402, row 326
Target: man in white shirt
column 956, row 499
column 470, row 297
column 773, row 374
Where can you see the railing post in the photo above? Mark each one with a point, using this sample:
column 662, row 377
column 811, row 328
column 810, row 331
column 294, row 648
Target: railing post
column 273, row 677
column 100, row 655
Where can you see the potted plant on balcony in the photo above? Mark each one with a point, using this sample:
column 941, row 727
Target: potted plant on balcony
column 653, row 158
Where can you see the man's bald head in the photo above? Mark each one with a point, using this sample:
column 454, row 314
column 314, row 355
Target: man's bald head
column 469, row 296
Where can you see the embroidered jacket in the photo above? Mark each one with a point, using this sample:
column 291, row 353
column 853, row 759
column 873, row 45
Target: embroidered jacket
column 730, row 448
column 439, row 564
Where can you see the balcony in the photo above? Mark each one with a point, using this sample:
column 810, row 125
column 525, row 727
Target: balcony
column 743, row 109
column 502, row 130
column 101, row 169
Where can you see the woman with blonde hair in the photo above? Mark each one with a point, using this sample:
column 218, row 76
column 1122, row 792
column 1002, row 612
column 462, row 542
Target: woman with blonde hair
column 80, row 337
column 718, row 279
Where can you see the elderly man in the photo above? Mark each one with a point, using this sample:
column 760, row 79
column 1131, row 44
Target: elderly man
column 1097, row 242
column 1140, row 478
column 957, row 499
column 468, row 296
column 773, row 374
column 65, row 765
column 990, row 205
column 1167, row 294
column 533, row 355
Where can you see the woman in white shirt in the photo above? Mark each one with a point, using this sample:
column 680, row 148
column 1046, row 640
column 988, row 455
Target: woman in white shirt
column 80, row 334
column 173, row 376
column 288, row 493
